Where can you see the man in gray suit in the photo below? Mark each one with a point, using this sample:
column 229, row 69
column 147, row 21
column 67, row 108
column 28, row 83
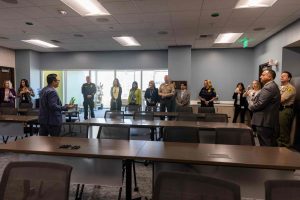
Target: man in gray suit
column 50, row 116
column 183, row 96
column 265, row 107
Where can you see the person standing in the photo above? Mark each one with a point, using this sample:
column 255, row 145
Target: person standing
column 183, row 97
column 240, row 103
column 25, row 93
column 7, row 95
column 286, row 113
column 135, row 95
column 166, row 92
column 265, row 108
column 88, row 90
column 116, row 93
column 250, row 94
column 207, row 94
column 50, row 115
column 151, row 95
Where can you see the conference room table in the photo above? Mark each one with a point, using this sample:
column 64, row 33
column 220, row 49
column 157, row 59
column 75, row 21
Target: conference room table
column 13, row 125
column 162, row 114
column 152, row 124
column 246, row 157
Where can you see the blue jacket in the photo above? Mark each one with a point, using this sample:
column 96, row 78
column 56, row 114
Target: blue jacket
column 50, row 107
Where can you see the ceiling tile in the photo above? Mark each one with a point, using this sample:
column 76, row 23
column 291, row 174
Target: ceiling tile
column 129, row 18
column 152, row 6
column 120, row 7
column 218, row 4
column 179, row 5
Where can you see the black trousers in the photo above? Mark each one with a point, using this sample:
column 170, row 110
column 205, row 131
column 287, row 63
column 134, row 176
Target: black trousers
column 52, row 130
column 86, row 104
column 237, row 111
column 165, row 104
column 266, row 136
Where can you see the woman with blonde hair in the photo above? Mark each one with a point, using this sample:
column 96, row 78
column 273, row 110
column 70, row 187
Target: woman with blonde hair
column 7, row 95
column 207, row 94
column 116, row 92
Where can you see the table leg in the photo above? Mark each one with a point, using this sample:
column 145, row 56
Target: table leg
column 152, row 133
column 128, row 165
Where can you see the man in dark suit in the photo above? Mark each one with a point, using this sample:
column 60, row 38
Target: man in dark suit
column 265, row 109
column 50, row 116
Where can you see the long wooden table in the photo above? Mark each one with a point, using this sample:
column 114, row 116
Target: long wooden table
column 13, row 125
column 274, row 158
column 152, row 124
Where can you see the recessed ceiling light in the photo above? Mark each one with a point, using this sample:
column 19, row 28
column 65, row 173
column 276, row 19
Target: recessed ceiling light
column 259, row 29
column 127, row 41
column 3, row 38
column 62, row 12
column 40, row 43
column 254, row 3
column 29, row 23
column 77, row 35
column 87, row 7
column 228, row 37
column 162, row 32
column 11, row 1
column 215, row 14
column 101, row 19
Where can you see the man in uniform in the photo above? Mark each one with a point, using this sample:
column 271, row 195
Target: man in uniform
column 286, row 114
column 166, row 92
column 88, row 90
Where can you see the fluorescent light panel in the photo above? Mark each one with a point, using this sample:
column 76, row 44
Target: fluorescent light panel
column 40, row 43
column 254, row 3
column 228, row 37
column 127, row 41
column 86, row 7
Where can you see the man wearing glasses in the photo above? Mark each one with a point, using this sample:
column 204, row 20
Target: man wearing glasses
column 50, row 115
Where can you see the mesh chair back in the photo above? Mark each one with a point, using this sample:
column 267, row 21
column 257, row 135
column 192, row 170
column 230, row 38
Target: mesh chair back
column 35, row 180
column 188, row 186
column 151, row 108
column 211, row 117
column 132, row 108
column 181, row 134
column 282, row 189
column 113, row 132
column 114, row 115
column 187, row 117
column 8, row 111
column 186, row 109
column 143, row 115
column 31, row 112
column 206, row 110
column 234, row 136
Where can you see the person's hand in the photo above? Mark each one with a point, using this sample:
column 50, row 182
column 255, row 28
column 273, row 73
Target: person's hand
column 237, row 90
column 247, row 93
column 89, row 96
column 70, row 106
column 206, row 102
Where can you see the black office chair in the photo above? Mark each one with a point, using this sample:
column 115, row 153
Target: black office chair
column 235, row 136
column 118, row 133
column 151, row 108
column 282, row 189
column 190, row 186
column 143, row 115
column 26, row 105
column 35, row 180
column 215, row 117
column 118, row 115
column 181, row 134
column 35, row 124
column 8, row 111
column 184, row 109
column 206, row 110
column 182, row 116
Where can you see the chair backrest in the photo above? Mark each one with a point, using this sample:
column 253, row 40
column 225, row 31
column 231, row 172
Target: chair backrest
column 185, row 109
column 182, row 116
column 216, row 117
column 32, row 112
column 35, row 180
column 25, row 105
column 235, row 136
column 206, row 110
column 133, row 108
column 114, row 115
column 143, row 115
column 282, row 189
column 181, row 134
column 151, row 108
column 190, row 186
column 8, row 111
column 114, row 132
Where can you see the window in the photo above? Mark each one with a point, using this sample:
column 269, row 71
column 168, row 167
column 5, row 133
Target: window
column 104, row 77
column 156, row 75
column 126, row 77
